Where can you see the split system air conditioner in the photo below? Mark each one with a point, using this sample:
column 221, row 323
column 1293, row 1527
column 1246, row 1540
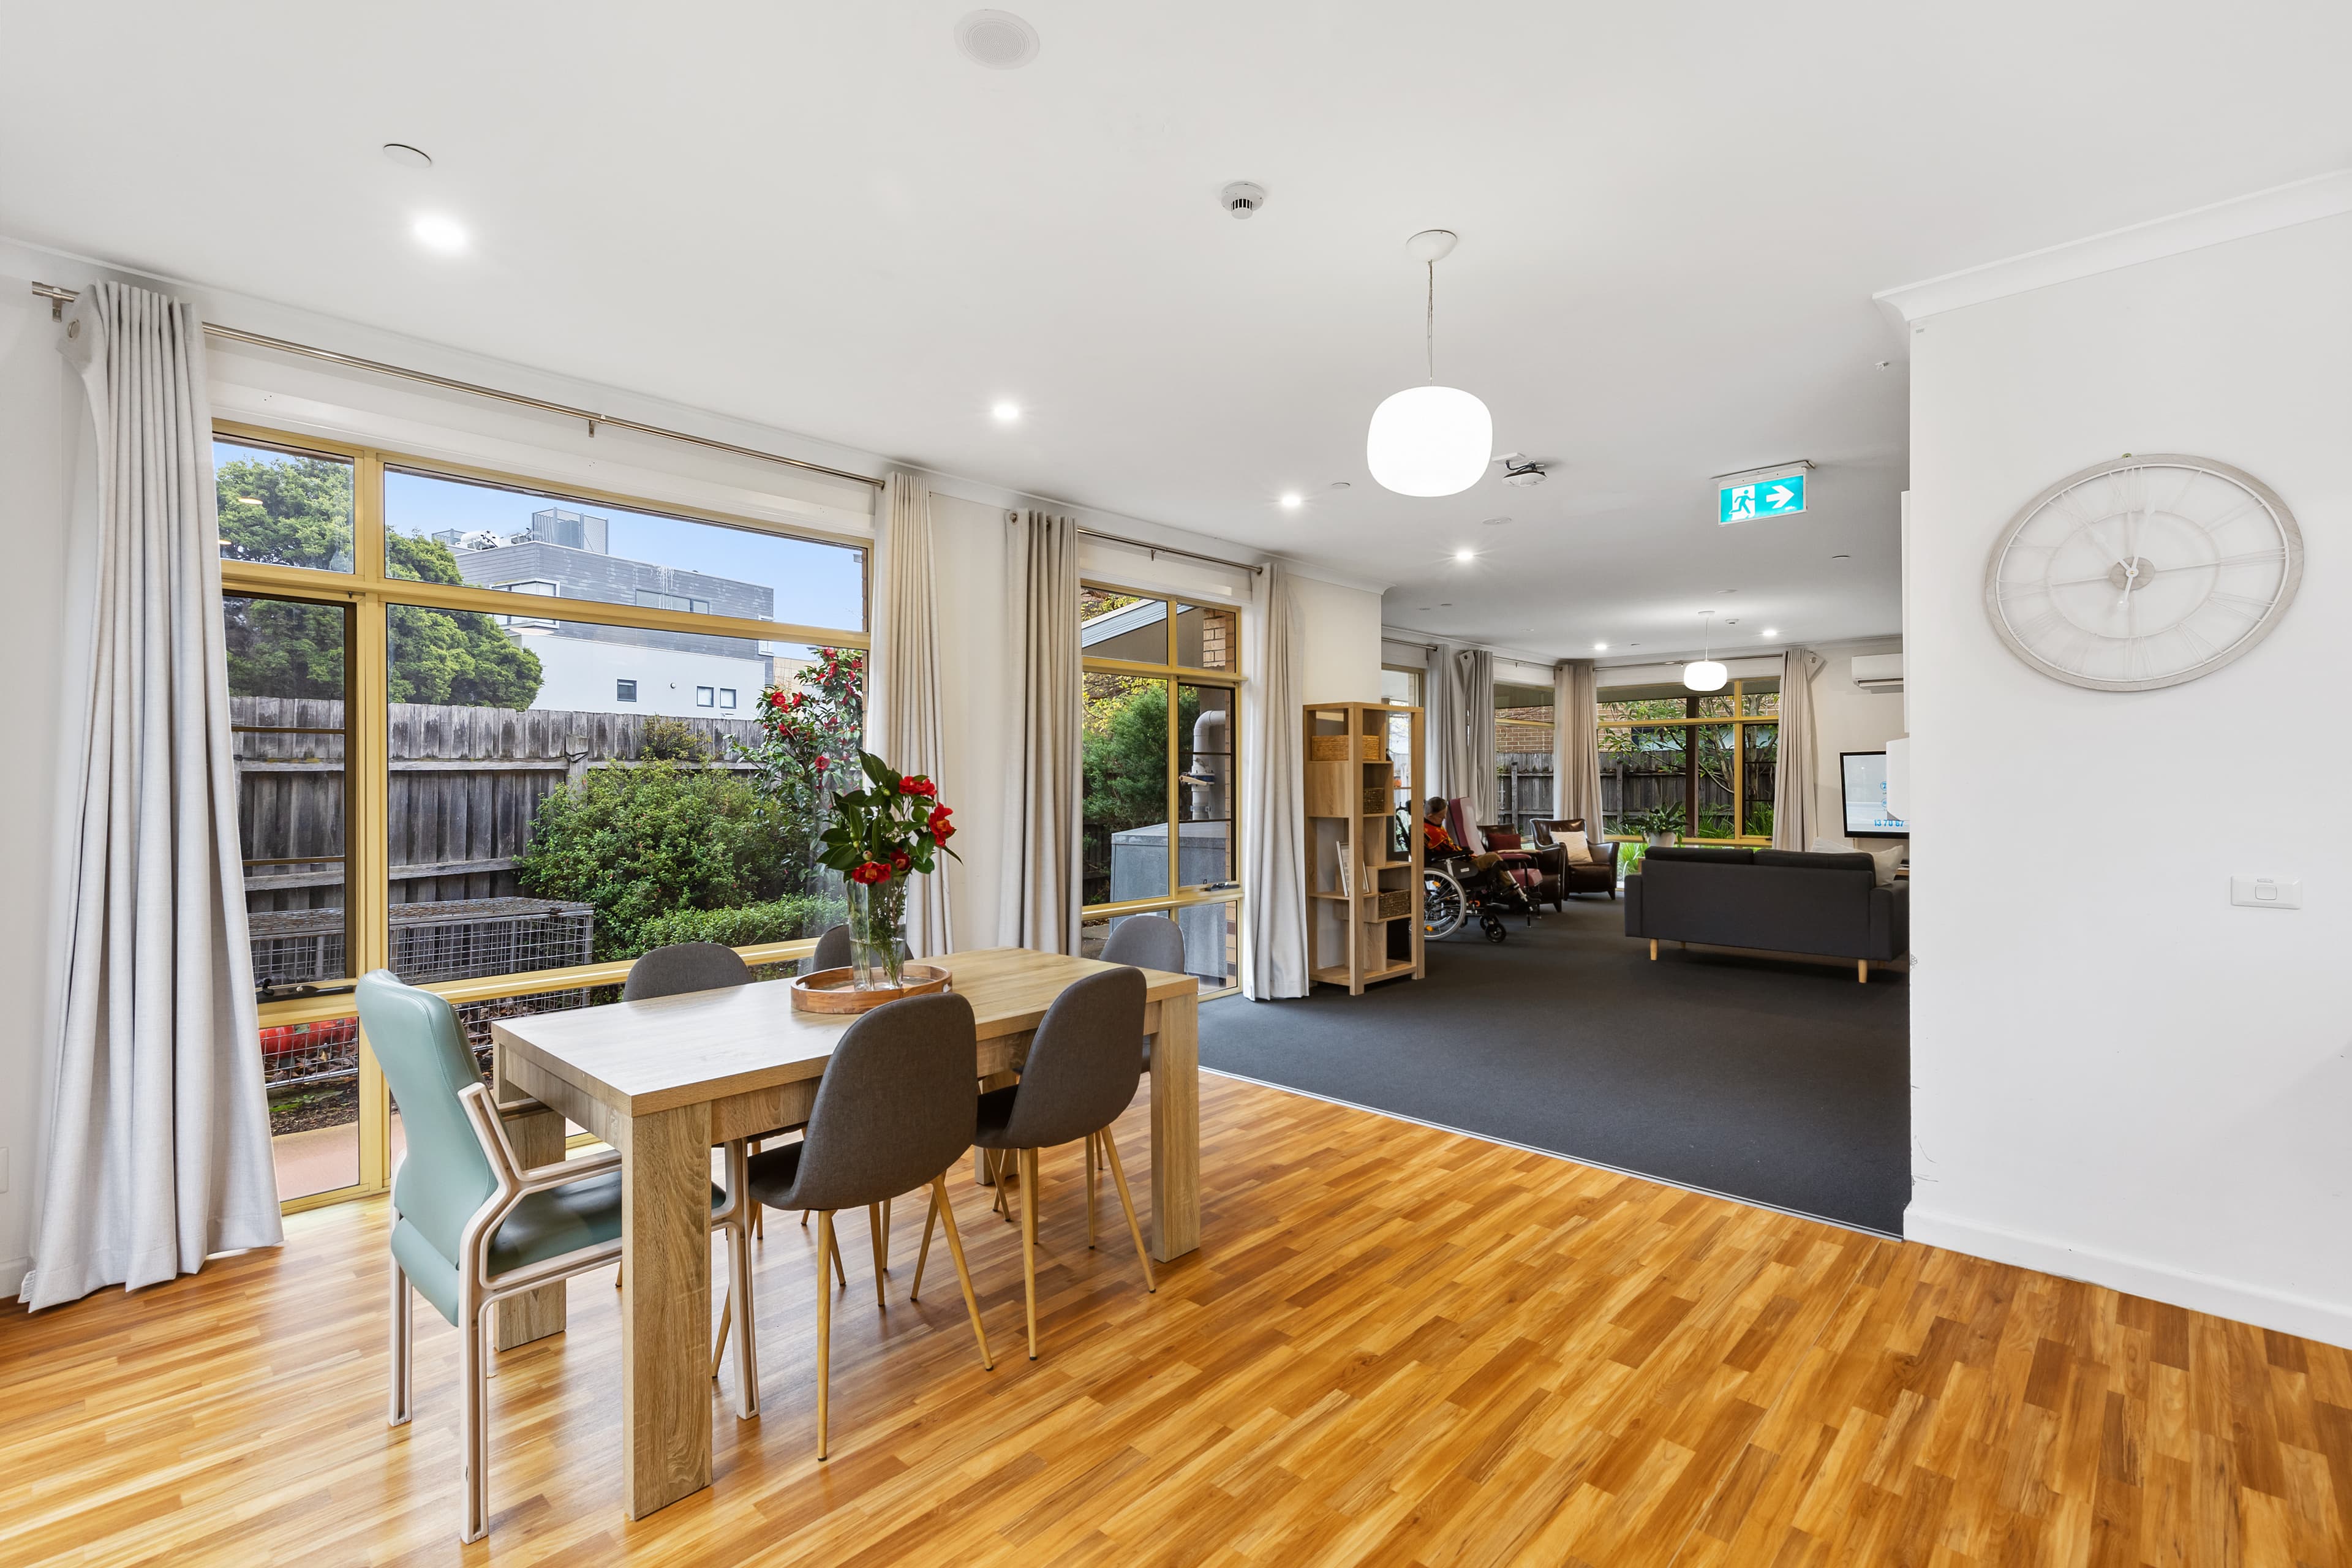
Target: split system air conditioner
column 1878, row 672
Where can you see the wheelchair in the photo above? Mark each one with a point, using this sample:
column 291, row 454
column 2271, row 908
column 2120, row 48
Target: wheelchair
column 1455, row 891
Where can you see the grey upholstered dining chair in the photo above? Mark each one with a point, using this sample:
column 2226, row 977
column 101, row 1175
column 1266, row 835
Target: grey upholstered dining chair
column 1146, row 942
column 832, row 951
column 894, row 1109
column 1081, row 1072
column 471, row 1226
column 674, row 970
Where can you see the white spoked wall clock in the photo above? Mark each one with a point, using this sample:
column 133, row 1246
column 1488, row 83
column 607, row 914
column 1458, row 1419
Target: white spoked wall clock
column 2142, row 572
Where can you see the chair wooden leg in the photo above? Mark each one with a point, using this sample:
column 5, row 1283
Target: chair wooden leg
column 759, row 1209
column 940, row 1207
column 924, row 1254
column 1861, row 970
column 474, row 1437
column 739, row 1291
column 1029, row 1241
column 824, row 1249
column 886, row 1235
column 1126, row 1201
column 726, row 1323
column 1090, row 1189
column 1003, row 1203
column 404, row 1341
column 876, row 1227
column 1654, row 950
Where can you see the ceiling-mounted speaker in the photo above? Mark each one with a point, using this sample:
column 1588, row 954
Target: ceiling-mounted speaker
column 997, row 39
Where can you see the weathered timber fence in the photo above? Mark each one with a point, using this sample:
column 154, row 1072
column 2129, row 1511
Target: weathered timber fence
column 464, row 785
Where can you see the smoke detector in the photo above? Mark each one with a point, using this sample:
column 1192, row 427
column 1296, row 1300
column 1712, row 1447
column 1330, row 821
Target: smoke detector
column 997, row 39
column 1242, row 198
column 1520, row 469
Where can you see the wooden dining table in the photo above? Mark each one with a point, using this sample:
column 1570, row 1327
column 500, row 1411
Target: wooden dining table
column 664, row 1081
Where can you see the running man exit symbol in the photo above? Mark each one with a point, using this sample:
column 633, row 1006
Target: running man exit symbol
column 1777, row 497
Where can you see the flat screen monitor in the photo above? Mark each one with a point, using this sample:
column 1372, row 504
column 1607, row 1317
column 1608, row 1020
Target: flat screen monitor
column 1866, row 816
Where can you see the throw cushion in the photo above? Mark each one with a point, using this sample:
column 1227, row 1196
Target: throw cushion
column 1887, row 859
column 1578, row 847
column 1502, row 838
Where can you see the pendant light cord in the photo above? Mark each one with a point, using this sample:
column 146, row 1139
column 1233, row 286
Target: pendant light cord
column 1429, row 323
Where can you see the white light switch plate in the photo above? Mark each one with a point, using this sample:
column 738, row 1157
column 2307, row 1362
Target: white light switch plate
column 2267, row 892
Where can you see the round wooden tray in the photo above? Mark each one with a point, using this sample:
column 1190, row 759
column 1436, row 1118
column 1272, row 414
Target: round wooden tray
column 836, row 990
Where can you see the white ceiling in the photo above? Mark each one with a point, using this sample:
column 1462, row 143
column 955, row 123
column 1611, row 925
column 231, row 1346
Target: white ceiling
column 823, row 217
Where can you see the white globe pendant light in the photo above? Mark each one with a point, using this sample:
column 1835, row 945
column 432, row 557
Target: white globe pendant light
column 1430, row 440
column 1706, row 674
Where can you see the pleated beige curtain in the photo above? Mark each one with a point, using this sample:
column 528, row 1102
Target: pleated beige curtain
column 1474, row 732
column 158, row 1152
column 1575, row 745
column 902, row 714
column 1038, row 905
column 1442, row 723
column 1796, row 813
column 1274, row 820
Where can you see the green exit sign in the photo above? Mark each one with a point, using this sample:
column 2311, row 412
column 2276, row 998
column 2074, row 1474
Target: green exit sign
column 1773, row 492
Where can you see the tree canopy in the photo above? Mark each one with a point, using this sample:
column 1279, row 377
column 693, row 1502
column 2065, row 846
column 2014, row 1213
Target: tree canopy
column 296, row 512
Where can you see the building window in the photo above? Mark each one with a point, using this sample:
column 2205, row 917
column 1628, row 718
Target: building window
column 1700, row 764
column 1160, row 749
column 726, row 697
column 372, row 639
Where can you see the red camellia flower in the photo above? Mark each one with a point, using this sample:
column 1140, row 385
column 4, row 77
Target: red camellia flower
column 918, row 784
column 900, row 860
column 823, row 763
column 942, row 829
column 871, row 872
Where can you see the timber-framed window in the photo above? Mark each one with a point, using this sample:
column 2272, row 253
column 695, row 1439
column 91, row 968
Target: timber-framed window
column 1160, row 747
column 506, row 803
column 1700, row 766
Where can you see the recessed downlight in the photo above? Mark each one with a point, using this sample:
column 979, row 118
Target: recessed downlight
column 1494, row 523
column 406, row 156
column 1600, row 647
column 1771, row 631
column 1465, row 554
column 1005, row 412
column 439, row 231
column 1292, row 500
column 997, row 39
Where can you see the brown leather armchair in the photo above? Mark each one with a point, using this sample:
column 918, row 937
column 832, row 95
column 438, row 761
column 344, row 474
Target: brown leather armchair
column 1597, row 877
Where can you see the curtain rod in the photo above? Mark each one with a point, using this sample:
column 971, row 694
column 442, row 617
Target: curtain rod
column 59, row 298
column 1158, row 550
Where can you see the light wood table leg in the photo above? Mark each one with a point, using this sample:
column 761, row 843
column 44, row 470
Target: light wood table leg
column 664, row 1307
column 1176, row 1129
column 537, row 1141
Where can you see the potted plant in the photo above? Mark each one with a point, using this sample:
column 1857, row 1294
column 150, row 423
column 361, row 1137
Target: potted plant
column 1659, row 826
column 881, row 836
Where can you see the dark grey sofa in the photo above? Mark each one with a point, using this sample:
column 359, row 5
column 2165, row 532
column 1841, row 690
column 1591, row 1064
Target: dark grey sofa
column 1779, row 899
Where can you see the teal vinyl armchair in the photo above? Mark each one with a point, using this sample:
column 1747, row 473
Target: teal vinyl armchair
column 471, row 1226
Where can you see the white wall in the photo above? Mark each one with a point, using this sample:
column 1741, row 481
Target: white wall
column 978, row 697
column 40, row 446
column 2117, row 1074
column 1848, row 719
column 1341, row 625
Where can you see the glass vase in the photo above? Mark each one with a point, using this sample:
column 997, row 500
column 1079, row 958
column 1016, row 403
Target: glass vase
column 878, row 922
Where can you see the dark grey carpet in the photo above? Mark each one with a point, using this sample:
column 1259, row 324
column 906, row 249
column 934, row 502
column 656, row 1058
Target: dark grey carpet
column 1778, row 1081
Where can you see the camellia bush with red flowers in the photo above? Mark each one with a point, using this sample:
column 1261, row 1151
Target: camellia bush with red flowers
column 892, row 829
column 814, row 726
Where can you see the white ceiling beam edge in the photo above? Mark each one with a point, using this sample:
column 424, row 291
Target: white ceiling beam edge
column 2240, row 218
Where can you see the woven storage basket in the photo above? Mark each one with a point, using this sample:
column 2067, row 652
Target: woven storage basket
column 1329, row 748
column 1394, row 902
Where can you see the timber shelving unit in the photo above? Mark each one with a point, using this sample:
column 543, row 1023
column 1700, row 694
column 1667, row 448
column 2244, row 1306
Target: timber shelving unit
column 1372, row 931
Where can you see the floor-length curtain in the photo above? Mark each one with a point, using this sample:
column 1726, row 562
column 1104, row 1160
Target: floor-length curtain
column 1440, row 722
column 1474, row 732
column 903, row 708
column 1274, row 823
column 1043, row 870
column 1575, row 745
column 159, row 1130
column 1796, row 814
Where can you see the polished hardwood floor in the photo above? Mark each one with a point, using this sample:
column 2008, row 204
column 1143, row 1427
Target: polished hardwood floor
column 1396, row 1345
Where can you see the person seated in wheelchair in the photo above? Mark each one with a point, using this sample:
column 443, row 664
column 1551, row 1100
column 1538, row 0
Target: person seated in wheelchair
column 1486, row 877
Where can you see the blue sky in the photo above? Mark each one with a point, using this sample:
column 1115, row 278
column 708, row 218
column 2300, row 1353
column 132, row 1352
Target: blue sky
column 815, row 585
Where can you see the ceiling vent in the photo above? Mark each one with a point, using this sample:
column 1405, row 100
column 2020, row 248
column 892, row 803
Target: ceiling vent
column 997, row 39
column 1878, row 672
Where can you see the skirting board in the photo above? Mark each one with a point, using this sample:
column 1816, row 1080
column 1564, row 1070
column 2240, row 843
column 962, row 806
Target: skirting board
column 2288, row 1313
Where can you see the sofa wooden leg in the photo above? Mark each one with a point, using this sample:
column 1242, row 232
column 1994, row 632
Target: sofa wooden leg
column 1861, row 970
column 1654, row 950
